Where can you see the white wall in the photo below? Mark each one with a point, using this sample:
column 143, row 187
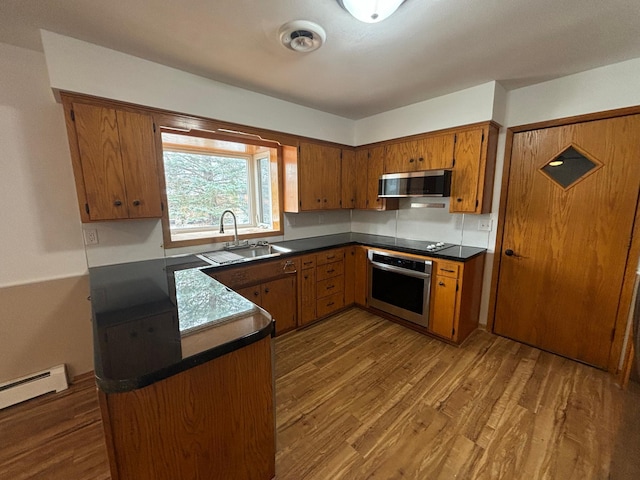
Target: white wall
column 82, row 67
column 471, row 105
column 40, row 230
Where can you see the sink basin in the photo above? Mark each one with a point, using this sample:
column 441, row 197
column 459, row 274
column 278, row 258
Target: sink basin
column 238, row 255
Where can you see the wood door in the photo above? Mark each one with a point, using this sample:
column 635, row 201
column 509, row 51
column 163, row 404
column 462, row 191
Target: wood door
column 138, row 149
column 361, row 174
column 102, row 172
column 279, row 299
column 320, row 174
column 400, row 157
column 349, row 275
column 307, row 295
column 252, row 294
column 361, row 276
column 565, row 245
column 375, row 169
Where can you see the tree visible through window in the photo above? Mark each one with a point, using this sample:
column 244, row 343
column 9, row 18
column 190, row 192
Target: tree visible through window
column 204, row 177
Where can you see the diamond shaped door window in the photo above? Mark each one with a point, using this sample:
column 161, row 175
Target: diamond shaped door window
column 567, row 168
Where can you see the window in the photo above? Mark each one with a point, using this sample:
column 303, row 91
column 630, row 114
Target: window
column 206, row 176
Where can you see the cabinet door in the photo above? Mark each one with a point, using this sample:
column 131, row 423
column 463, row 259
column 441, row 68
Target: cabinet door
column 465, row 180
column 139, row 163
column 361, row 285
column 307, row 295
column 444, row 306
column 101, row 159
column 279, row 299
column 400, row 157
column 375, row 169
column 349, row 178
column 319, row 177
column 349, row 274
column 434, row 153
column 253, row 294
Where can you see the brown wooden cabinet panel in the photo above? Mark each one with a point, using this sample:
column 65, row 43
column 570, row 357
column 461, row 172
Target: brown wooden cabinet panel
column 114, row 160
column 329, row 270
column 444, row 306
column 328, row 305
column 350, row 179
column 330, row 286
column 349, row 274
column 318, row 177
column 96, row 132
column 329, row 256
column 307, row 295
column 472, row 176
column 361, row 276
column 428, row 153
column 139, row 162
column 279, row 299
column 215, row 421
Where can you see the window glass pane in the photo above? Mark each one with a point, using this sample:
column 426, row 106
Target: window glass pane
column 264, row 193
column 200, row 187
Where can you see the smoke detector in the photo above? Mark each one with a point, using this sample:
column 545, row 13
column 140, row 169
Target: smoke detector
column 302, row 36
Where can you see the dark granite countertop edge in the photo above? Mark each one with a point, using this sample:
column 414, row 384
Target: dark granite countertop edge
column 120, row 386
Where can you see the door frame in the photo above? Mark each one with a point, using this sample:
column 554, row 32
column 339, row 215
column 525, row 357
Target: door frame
column 626, row 294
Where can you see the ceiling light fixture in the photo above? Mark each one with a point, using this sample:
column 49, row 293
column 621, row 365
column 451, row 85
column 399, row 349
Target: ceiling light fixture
column 370, row 11
column 302, row 36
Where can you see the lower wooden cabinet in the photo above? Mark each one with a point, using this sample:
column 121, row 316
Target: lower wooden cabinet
column 271, row 285
column 455, row 299
column 307, row 293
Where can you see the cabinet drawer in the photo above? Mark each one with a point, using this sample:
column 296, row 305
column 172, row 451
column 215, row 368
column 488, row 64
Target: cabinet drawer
column 329, row 270
column 330, row 256
column 330, row 304
column 245, row 275
column 330, row 286
column 447, row 269
column 307, row 261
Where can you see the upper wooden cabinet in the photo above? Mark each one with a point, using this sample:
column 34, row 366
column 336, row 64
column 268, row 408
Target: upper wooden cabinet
column 114, row 162
column 360, row 174
column 312, row 177
column 473, row 171
column 429, row 153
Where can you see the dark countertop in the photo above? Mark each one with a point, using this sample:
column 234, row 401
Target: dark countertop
column 451, row 252
column 156, row 318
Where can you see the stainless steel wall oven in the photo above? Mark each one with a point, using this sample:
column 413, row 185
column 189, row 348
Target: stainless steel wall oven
column 400, row 285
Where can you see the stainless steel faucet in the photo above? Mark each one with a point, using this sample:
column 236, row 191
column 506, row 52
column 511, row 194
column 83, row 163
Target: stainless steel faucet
column 235, row 226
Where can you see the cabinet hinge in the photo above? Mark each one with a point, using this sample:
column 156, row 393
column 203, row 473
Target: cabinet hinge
column 482, row 136
column 453, row 164
column 300, row 203
column 154, row 127
column 340, row 154
column 368, row 153
column 613, row 334
column 340, row 202
column 457, row 287
column 453, row 332
column 73, row 116
column 477, row 203
column 162, row 206
column 455, row 138
column 86, row 207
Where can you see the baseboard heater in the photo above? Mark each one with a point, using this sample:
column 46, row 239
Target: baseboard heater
column 34, row 385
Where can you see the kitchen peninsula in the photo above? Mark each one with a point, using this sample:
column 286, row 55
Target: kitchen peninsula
column 184, row 372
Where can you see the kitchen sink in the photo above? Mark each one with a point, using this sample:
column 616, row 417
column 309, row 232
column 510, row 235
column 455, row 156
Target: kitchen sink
column 239, row 255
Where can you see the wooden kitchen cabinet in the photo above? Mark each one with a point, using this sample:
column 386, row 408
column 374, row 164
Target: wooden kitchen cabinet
column 431, row 152
column 473, row 172
column 271, row 285
column 114, row 161
column 313, row 178
column 455, row 298
column 361, row 277
column 307, row 290
column 360, row 185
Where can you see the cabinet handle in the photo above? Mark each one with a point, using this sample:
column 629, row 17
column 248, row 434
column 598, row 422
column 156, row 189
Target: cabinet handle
column 136, row 203
column 266, row 290
column 308, row 263
column 306, row 277
column 458, row 199
column 117, row 203
column 330, row 287
column 441, row 284
column 330, row 257
column 329, row 304
column 318, row 200
column 421, row 159
column 330, row 271
column 325, row 200
column 445, row 270
column 256, row 293
column 411, row 160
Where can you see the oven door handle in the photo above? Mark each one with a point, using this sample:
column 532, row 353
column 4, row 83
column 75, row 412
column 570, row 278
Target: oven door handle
column 404, row 271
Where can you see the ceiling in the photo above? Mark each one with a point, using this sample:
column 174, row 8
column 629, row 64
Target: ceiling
column 426, row 49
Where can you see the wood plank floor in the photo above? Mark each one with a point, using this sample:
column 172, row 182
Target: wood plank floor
column 360, row 397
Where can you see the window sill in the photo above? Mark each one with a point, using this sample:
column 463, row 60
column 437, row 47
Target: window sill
column 184, row 239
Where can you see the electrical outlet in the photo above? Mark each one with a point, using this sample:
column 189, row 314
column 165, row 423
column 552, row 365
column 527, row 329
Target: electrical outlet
column 485, row 225
column 91, row 236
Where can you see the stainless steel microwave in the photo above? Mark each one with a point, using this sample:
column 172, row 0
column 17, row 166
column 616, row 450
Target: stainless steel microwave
column 428, row 183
